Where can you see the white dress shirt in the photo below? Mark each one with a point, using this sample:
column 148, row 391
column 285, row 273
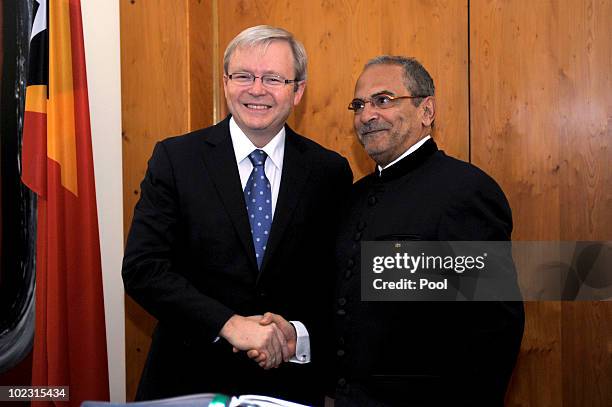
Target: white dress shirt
column 273, row 168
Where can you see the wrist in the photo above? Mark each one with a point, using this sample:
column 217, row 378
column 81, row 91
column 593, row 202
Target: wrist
column 229, row 327
column 294, row 331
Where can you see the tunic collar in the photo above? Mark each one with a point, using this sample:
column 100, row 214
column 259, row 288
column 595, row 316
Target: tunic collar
column 408, row 163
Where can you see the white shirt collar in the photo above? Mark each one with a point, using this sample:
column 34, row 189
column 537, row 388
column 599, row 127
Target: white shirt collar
column 411, row 150
column 243, row 146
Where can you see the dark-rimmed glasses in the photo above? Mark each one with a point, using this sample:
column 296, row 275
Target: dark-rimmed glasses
column 382, row 101
column 268, row 80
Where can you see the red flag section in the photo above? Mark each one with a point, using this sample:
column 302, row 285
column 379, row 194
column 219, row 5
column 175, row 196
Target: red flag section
column 57, row 164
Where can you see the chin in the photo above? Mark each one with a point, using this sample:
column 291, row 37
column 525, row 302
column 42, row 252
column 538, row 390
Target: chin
column 374, row 149
column 379, row 156
column 256, row 125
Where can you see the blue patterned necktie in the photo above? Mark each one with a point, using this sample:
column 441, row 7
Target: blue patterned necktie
column 258, row 198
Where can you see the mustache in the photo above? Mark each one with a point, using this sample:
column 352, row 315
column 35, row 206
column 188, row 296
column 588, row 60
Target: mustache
column 364, row 129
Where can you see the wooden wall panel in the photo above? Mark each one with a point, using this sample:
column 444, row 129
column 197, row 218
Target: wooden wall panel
column 154, row 76
column 540, row 124
column 340, row 36
column 585, row 131
column 201, row 46
column 166, row 65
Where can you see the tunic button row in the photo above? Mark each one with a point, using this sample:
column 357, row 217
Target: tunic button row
column 349, row 272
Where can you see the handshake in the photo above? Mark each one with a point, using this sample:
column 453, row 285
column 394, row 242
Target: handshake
column 269, row 340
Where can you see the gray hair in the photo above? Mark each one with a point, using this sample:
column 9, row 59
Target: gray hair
column 263, row 35
column 416, row 78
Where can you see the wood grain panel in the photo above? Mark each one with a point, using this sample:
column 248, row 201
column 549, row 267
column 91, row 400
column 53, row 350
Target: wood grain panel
column 154, row 70
column 201, row 61
column 155, row 100
column 587, row 354
column 539, row 362
column 541, row 106
column 340, row 36
column 585, row 131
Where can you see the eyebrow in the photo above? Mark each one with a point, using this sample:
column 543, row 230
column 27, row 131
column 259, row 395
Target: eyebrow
column 382, row 92
column 264, row 72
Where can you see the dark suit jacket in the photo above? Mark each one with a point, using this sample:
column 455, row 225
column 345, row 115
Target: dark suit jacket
column 422, row 353
column 190, row 262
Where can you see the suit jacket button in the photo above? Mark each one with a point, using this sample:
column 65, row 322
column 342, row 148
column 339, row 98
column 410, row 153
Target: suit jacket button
column 262, row 294
column 361, row 225
column 347, row 274
column 340, row 352
column 372, row 200
column 357, row 236
column 341, row 301
column 341, row 312
column 342, row 382
column 350, row 263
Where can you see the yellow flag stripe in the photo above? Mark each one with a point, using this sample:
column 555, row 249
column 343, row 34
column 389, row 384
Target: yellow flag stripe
column 61, row 140
column 36, row 98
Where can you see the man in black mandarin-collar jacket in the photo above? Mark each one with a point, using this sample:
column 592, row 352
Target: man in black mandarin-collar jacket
column 190, row 259
column 417, row 353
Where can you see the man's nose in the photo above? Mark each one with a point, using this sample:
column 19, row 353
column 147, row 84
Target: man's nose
column 369, row 113
column 257, row 87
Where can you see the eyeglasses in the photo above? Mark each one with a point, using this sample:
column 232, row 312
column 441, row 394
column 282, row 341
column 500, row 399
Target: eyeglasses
column 267, row 80
column 381, row 101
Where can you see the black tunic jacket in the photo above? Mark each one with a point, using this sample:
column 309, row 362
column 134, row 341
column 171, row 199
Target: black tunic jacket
column 422, row 353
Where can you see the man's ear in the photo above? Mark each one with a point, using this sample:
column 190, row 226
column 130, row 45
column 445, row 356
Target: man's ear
column 299, row 92
column 225, row 79
column 429, row 111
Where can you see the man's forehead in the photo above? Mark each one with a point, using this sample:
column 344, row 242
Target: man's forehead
column 260, row 50
column 377, row 79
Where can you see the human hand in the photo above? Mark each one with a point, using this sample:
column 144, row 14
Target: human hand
column 286, row 328
column 246, row 333
column 255, row 318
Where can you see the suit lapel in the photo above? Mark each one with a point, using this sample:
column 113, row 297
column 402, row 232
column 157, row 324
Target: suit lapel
column 220, row 162
column 293, row 179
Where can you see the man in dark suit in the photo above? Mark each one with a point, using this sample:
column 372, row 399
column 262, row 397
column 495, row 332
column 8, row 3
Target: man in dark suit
column 234, row 221
column 417, row 353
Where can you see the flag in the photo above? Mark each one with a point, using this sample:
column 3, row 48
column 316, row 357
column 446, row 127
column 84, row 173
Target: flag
column 57, row 164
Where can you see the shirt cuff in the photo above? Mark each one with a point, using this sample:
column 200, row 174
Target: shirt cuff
column 302, row 344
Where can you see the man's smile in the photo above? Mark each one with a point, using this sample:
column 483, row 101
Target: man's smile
column 256, row 106
column 372, row 132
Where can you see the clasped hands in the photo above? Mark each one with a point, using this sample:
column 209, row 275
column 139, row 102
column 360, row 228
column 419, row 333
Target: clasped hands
column 269, row 339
